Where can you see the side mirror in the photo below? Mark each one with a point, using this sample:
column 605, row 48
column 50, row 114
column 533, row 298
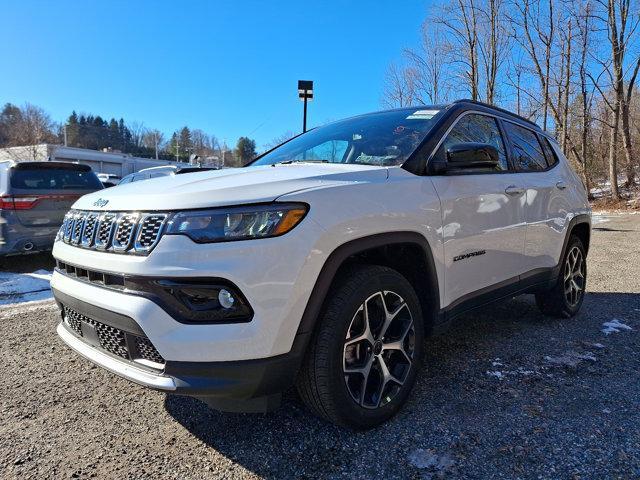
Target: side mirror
column 472, row 155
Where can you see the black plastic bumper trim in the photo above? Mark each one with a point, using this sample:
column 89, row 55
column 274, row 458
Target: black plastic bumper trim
column 156, row 289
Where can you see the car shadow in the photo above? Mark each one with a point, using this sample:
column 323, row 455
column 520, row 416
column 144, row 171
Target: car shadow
column 292, row 442
column 607, row 229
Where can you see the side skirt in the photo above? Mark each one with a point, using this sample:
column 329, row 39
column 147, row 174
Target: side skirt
column 533, row 281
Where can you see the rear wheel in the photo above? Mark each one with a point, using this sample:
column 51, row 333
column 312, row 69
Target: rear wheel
column 565, row 298
column 363, row 359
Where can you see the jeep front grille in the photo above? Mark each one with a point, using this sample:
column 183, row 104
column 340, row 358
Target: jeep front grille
column 121, row 232
column 123, row 344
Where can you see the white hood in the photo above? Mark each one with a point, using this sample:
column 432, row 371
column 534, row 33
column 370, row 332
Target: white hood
column 233, row 186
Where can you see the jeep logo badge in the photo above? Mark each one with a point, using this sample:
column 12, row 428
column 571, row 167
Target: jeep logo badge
column 101, row 202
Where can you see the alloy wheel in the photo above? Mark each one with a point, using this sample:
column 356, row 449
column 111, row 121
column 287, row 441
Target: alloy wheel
column 379, row 349
column 574, row 276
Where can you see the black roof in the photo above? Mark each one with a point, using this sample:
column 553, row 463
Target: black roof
column 461, row 103
column 497, row 109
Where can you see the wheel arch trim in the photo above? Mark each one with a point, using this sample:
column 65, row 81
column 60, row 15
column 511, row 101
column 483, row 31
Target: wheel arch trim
column 338, row 257
column 579, row 219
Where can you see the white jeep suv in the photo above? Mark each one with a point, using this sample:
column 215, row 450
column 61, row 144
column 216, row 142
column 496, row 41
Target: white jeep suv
column 325, row 262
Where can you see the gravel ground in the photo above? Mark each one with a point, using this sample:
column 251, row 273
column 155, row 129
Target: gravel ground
column 506, row 393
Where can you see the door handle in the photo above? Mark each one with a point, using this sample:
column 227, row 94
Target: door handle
column 561, row 185
column 513, row 190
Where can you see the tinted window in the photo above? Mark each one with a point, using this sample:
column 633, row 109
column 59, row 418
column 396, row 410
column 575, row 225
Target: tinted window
column 54, row 179
column 479, row 129
column 552, row 158
column 527, row 151
column 385, row 138
column 159, row 174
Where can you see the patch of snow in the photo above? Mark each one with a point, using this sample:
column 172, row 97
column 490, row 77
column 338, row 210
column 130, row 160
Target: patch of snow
column 24, row 287
column 598, row 218
column 571, row 359
column 428, row 459
column 499, row 375
column 614, row 326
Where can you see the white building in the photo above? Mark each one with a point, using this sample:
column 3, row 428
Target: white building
column 116, row 163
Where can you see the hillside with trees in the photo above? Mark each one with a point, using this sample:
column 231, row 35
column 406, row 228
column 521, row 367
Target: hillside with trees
column 31, row 125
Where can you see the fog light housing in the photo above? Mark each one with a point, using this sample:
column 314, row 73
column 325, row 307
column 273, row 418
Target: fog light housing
column 202, row 300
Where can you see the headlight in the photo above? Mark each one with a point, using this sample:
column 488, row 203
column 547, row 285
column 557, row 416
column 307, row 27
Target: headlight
column 237, row 223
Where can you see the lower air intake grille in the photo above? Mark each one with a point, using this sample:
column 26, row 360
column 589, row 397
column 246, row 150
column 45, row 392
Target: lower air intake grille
column 147, row 350
column 115, row 341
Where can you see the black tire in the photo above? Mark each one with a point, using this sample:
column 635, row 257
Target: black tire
column 322, row 382
column 557, row 302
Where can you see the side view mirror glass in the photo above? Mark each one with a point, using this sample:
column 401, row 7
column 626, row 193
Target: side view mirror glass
column 472, row 155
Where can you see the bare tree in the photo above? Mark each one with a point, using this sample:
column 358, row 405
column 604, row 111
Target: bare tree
column 460, row 19
column 154, row 140
column 427, row 70
column 583, row 17
column 137, row 133
column 535, row 31
column 620, row 19
column 289, row 134
column 397, row 88
column 493, row 45
column 201, row 143
column 27, row 126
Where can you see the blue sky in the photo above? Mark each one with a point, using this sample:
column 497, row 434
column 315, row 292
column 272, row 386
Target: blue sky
column 229, row 68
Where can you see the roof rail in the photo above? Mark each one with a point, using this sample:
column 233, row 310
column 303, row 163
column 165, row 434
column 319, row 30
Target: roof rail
column 502, row 110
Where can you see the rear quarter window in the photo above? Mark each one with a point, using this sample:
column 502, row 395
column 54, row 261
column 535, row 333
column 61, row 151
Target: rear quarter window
column 549, row 152
column 527, row 151
column 53, row 179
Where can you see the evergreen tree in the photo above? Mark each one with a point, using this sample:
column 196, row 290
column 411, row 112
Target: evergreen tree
column 245, row 150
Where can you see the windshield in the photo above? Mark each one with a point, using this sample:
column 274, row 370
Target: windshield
column 385, row 138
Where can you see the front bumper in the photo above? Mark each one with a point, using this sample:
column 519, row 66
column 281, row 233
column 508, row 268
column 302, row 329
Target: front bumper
column 248, row 385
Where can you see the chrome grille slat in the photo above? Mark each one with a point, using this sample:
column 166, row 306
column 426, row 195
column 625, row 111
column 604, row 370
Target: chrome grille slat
column 104, row 233
column 125, row 230
column 78, row 226
column 149, row 231
column 88, row 233
column 68, row 226
column 121, row 232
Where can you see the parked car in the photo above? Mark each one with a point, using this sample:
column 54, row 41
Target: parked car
column 34, row 197
column 108, row 179
column 163, row 171
column 325, row 262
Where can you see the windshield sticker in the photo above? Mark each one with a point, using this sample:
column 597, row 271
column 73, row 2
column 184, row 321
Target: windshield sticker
column 422, row 115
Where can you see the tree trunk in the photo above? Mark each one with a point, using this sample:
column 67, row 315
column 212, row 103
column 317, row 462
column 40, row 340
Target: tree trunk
column 613, row 143
column 628, row 148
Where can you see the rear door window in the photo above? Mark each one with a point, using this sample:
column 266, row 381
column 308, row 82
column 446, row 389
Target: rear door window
column 528, row 155
column 54, row 179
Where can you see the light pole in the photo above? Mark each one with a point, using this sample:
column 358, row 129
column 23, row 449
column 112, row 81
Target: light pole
column 305, row 92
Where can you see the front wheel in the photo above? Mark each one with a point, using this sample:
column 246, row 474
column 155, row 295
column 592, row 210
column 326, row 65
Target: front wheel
column 363, row 358
column 565, row 298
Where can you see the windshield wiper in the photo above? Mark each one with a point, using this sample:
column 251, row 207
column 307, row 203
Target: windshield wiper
column 289, row 162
